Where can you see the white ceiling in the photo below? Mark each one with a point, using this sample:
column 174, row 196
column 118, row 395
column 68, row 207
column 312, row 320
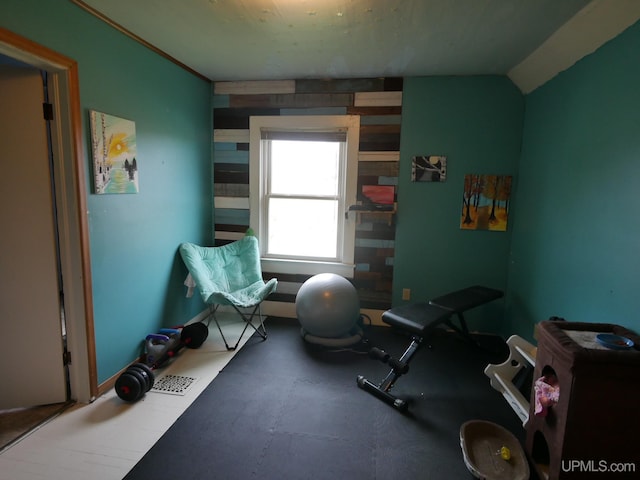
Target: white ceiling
column 227, row 40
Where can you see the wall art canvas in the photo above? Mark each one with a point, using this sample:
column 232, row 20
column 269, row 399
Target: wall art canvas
column 428, row 168
column 485, row 202
column 378, row 194
column 113, row 142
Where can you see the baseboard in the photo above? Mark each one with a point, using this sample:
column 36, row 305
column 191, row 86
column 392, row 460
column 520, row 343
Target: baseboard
column 288, row 310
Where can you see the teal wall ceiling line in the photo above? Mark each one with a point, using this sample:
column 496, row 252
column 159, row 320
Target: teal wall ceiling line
column 572, row 147
column 576, row 235
column 137, row 275
column 476, row 122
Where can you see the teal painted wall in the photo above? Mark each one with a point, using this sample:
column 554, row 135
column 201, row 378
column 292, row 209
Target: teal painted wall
column 477, row 123
column 137, row 273
column 577, row 229
column 573, row 234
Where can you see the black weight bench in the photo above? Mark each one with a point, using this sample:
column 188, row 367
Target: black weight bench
column 421, row 319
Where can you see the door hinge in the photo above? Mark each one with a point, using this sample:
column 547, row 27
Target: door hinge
column 66, row 357
column 47, row 111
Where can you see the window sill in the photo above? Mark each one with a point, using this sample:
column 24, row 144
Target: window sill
column 302, row 267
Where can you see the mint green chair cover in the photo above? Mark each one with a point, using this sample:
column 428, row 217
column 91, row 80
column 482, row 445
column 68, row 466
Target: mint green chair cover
column 230, row 275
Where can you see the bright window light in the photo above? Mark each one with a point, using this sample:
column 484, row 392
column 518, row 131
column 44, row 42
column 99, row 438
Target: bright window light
column 303, row 179
column 304, row 168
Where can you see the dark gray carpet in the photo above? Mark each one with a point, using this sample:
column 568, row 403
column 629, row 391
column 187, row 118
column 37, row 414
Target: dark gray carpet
column 283, row 409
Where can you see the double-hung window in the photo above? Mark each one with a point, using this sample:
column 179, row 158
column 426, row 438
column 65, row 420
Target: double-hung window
column 303, row 177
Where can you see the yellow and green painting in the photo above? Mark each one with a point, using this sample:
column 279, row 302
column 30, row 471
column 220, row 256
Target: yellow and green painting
column 113, row 142
column 485, row 202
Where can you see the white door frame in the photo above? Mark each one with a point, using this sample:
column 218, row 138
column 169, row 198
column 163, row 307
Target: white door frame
column 68, row 152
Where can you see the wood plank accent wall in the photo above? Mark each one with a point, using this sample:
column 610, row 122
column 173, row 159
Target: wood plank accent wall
column 378, row 101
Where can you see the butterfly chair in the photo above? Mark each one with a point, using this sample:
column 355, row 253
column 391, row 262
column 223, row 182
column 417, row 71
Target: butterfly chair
column 230, row 275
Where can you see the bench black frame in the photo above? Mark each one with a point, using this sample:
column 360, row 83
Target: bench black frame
column 420, row 320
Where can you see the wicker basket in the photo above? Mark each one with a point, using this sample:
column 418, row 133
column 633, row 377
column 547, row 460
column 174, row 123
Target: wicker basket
column 481, row 444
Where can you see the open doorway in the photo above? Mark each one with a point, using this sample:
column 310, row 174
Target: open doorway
column 26, row 366
column 30, row 241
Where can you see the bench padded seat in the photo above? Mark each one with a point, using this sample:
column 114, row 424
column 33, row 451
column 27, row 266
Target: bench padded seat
column 416, row 318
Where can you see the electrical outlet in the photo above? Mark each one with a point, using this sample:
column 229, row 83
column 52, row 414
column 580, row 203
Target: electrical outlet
column 406, row 294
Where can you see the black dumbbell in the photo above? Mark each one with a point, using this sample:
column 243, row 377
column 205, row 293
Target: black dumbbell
column 194, row 335
column 138, row 379
column 146, row 372
column 134, row 382
column 129, row 386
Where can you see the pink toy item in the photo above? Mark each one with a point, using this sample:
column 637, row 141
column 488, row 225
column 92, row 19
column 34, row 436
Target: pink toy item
column 547, row 392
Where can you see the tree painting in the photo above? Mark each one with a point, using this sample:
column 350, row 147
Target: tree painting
column 113, row 141
column 485, row 202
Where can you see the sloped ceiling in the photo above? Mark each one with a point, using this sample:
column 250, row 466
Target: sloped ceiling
column 225, row 40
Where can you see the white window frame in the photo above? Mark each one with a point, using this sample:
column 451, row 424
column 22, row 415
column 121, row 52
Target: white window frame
column 258, row 183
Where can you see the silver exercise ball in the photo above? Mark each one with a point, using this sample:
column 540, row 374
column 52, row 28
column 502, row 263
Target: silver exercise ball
column 327, row 305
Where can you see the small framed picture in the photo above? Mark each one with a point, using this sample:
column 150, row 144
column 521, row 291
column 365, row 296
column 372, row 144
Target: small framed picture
column 429, row 168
